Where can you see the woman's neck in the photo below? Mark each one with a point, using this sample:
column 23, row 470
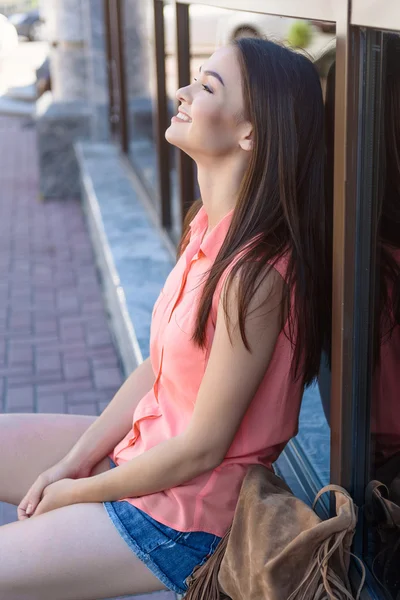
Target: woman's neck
column 219, row 187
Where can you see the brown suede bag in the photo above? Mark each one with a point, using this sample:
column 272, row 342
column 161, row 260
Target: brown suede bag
column 278, row 548
column 382, row 511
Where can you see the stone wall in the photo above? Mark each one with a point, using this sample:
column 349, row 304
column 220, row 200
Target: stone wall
column 78, row 106
column 96, row 61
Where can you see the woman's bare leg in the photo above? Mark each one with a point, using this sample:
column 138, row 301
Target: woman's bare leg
column 70, row 553
column 31, row 443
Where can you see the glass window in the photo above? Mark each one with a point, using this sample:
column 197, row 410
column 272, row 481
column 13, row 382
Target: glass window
column 381, row 146
column 140, row 91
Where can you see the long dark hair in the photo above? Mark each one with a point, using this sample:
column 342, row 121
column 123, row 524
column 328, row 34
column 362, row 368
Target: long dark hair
column 280, row 207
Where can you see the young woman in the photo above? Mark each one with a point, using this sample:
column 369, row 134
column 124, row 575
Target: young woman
column 132, row 501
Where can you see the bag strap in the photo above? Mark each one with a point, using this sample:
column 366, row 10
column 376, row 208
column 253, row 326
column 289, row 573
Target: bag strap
column 332, row 488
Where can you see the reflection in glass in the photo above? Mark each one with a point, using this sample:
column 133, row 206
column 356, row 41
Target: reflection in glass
column 383, row 501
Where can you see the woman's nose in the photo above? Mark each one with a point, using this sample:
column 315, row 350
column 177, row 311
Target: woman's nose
column 183, row 94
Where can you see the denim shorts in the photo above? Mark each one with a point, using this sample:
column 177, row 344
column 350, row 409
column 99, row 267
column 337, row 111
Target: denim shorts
column 171, row 555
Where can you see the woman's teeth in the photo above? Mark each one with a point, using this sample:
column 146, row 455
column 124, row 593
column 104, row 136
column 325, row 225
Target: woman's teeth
column 183, row 117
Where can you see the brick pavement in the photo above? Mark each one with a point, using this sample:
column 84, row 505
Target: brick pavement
column 56, row 351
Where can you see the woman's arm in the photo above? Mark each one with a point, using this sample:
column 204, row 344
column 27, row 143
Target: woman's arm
column 115, row 420
column 230, row 382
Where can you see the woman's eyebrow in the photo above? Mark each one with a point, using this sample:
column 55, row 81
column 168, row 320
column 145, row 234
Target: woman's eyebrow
column 213, row 74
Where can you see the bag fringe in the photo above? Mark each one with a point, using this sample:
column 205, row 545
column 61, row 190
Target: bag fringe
column 203, row 582
column 321, row 582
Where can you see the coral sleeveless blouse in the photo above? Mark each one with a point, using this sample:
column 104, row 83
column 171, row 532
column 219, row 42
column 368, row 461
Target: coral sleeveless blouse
column 207, row 502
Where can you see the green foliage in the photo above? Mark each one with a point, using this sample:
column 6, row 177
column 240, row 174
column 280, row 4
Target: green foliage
column 300, row 34
column 8, row 7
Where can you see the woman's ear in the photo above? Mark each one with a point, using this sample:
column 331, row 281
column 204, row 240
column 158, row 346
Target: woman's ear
column 246, row 137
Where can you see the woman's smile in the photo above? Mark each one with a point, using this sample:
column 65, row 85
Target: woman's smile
column 181, row 117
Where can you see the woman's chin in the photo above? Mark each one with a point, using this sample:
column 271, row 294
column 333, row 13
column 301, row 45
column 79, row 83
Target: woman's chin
column 170, row 137
column 173, row 139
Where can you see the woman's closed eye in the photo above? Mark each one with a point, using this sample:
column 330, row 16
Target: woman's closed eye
column 205, row 87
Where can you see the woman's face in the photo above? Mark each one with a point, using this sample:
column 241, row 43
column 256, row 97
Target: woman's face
column 209, row 122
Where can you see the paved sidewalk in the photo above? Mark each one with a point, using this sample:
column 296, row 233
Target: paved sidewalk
column 56, row 351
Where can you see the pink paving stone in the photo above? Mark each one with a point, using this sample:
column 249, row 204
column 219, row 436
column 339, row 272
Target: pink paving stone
column 71, row 320
column 45, row 326
column 54, row 403
column 108, row 377
column 66, row 294
column 88, row 292
column 20, row 396
column 45, row 296
column 76, row 369
column 6, row 371
column 88, row 282
column 48, row 362
column 73, row 332
column 86, row 408
column 20, row 303
column 65, row 386
column 48, row 276
column 57, row 345
column 64, row 280
column 89, row 396
column 41, row 269
column 98, row 338
column 37, row 378
column 102, row 351
column 21, row 321
column 91, row 307
column 94, row 323
column 45, row 339
column 16, row 334
column 20, row 354
column 87, row 269
column 105, row 361
column 21, row 291
column 43, row 283
column 67, row 302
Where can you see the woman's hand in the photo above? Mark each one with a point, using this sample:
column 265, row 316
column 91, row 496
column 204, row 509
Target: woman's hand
column 58, row 494
column 65, row 469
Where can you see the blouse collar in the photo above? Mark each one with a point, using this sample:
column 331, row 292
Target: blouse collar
column 212, row 242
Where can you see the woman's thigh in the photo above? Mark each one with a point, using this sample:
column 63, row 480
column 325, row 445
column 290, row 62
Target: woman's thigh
column 30, row 444
column 69, row 553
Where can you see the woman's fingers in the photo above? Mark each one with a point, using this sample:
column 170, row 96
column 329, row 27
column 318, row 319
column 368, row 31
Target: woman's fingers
column 23, row 507
column 29, row 503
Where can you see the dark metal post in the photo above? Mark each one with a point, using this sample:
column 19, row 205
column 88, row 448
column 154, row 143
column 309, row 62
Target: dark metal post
column 344, row 249
column 185, row 163
column 120, row 63
column 116, row 72
column 163, row 149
